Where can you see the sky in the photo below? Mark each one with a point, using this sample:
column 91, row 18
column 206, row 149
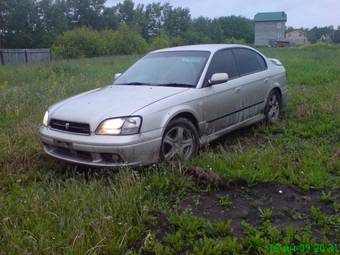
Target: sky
column 301, row 13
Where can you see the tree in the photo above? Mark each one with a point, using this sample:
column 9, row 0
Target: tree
column 85, row 13
column 176, row 20
column 52, row 21
column 155, row 19
column 20, row 17
column 315, row 33
column 337, row 36
column 126, row 12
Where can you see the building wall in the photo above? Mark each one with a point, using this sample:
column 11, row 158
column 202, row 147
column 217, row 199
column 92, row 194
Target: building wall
column 265, row 32
column 297, row 37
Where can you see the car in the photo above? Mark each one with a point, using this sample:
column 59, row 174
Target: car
column 166, row 106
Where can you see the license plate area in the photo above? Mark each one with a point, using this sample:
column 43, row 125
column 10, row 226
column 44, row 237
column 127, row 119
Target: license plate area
column 62, row 144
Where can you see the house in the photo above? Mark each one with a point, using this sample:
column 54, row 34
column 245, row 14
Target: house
column 325, row 38
column 269, row 28
column 297, row 37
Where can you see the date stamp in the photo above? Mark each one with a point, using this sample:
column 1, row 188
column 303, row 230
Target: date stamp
column 304, row 248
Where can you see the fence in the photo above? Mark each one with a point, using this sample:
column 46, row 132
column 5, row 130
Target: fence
column 25, row 56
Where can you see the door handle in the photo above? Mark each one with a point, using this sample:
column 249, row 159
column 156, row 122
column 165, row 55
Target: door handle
column 238, row 89
column 266, row 80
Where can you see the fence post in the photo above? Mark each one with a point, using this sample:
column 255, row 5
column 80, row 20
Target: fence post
column 26, row 57
column 2, row 58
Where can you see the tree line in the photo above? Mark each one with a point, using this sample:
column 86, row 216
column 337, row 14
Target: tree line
column 38, row 23
column 65, row 25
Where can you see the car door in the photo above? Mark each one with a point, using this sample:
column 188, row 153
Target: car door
column 220, row 102
column 255, row 81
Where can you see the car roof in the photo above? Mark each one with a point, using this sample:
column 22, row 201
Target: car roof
column 202, row 47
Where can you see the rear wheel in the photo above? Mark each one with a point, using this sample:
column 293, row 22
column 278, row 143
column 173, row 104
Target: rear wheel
column 180, row 141
column 273, row 107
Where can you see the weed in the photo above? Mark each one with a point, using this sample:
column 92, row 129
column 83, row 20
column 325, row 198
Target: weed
column 265, row 213
column 327, row 197
column 225, row 201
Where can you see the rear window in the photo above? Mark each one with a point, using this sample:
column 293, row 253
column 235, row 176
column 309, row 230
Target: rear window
column 248, row 61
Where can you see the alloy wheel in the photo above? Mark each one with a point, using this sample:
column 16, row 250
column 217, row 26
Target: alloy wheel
column 273, row 108
column 178, row 143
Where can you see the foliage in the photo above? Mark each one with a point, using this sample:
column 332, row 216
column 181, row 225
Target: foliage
column 81, row 42
column 315, row 33
column 127, row 41
column 225, row 201
column 160, row 42
column 32, row 24
column 234, row 41
column 37, row 24
column 84, row 42
column 337, row 36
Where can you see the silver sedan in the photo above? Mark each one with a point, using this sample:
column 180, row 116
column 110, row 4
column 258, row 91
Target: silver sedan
column 166, row 105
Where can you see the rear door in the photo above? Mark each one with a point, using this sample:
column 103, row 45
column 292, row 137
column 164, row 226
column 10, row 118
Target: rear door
column 221, row 101
column 255, row 80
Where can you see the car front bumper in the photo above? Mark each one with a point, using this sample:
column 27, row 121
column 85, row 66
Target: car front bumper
column 100, row 150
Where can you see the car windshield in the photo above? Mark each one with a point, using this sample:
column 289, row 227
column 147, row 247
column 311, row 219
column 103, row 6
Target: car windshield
column 171, row 68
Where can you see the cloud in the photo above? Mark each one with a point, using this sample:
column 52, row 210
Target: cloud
column 301, row 13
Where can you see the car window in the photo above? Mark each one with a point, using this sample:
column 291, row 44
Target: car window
column 222, row 62
column 248, row 61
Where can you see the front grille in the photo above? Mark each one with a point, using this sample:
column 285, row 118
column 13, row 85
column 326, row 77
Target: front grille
column 68, row 126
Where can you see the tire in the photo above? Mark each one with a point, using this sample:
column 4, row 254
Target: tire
column 180, row 141
column 273, row 107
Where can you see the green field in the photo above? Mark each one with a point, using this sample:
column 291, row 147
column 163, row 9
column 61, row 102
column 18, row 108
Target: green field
column 48, row 207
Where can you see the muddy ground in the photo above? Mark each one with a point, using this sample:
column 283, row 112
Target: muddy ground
column 289, row 205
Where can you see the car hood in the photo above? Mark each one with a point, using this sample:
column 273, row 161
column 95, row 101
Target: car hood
column 112, row 101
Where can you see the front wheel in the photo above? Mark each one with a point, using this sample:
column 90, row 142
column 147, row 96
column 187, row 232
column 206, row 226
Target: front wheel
column 273, row 107
column 180, row 141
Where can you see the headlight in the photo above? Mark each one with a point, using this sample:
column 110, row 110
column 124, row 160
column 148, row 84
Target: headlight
column 120, row 126
column 45, row 120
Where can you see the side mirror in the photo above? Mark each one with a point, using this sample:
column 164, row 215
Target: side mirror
column 218, row 78
column 117, row 76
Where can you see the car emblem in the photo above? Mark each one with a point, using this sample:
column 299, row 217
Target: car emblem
column 67, row 125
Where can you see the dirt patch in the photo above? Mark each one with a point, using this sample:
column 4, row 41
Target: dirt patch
column 289, row 205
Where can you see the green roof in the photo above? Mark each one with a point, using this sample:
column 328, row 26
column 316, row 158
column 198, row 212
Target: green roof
column 271, row 16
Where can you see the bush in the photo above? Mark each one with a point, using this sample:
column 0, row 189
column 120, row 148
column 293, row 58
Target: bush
column 233, row 40
column 109, row 37
column 160, row 42
column 127, row 41
column 329, row 46
column 85, row 42
column 80, row 42
column 177, row 41
column 196, row 38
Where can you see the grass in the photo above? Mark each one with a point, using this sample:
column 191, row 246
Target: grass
column 47, row 207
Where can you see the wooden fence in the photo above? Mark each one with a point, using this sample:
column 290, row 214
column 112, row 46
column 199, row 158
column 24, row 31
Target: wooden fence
column 25, row 56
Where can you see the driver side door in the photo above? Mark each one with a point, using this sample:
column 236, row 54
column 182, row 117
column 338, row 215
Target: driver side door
column 221, row 102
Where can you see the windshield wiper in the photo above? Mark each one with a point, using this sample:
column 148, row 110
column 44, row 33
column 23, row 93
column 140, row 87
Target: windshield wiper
column 137, row 83
column 176, row 84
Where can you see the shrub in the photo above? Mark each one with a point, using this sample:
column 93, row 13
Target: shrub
column 109, row 37
column 80, row 42
column 196, row 38
column 85, row 42
column 177, row 41
column 330, row 46
column 127, row 41
column 233, row 40
column 160, row 42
